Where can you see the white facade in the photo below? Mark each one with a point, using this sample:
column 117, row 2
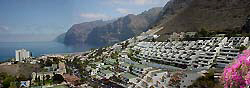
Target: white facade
column 106, row 74
column 22, row 54
column 124, row 66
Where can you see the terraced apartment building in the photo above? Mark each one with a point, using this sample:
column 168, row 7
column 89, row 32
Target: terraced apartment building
column 203, row 53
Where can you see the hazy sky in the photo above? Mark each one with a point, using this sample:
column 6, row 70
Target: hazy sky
column 43, row 20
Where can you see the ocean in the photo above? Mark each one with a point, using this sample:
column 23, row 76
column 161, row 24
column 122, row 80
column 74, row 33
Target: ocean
column 7, row 49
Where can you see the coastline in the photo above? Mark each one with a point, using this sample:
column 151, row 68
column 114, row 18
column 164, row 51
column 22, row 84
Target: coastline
column 7, row 49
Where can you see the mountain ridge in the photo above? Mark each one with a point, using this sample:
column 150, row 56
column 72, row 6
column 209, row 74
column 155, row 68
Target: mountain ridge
column 212, row 15
column 109, row 32
column 79, row 32
column 123, row 28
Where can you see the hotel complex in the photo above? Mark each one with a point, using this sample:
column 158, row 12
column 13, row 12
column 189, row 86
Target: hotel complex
column 22, row 54
column 203, row 53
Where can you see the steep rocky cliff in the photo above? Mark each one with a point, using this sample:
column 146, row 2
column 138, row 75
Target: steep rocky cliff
column 123, row 28
column 108, row 32
column 78, row 33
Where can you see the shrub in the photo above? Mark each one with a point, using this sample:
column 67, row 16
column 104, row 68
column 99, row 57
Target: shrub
column 237, row 75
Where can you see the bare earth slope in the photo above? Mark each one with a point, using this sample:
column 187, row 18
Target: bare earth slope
column 19, row 69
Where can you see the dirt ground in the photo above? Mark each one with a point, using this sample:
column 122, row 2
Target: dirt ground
column 19, row 69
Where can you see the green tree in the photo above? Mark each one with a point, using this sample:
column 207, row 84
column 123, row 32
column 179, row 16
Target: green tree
column 13, row 85
column 8, row 80
column 47, row 77
column 48, row 62
column 3, row 76
column 203, row 32
column 56, row 60
column 114, row 55
column 242, row 47
column 57, row 78
column 22, row 77
column 130, row 68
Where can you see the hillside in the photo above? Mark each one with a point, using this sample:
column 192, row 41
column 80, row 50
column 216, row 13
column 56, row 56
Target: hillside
column 193, row 15
column 19, row 69
column 123, row 28
column 60, row 38
column 103, row 33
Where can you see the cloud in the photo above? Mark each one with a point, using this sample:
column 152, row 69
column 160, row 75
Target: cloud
column 138, row 2
column 141, row 2
column 123, row 11
column 95, row 16
column 4, row 28
column 150, row 2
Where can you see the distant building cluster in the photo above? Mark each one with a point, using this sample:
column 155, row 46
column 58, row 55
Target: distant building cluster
column 140, row 62
column 179, row 36
column 22, row 54
column 49, row 72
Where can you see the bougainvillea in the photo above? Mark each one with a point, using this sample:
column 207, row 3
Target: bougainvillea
column 237, row 75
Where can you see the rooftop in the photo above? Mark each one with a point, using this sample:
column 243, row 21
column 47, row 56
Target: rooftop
column 106, row 66
column 140, row 66
column 125, row 64
column 97, row 63
column 128, row 75
column 106, row 71
column 160, row 71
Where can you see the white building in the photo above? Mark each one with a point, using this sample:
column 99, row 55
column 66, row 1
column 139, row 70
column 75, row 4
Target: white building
column 203, row 53
column 128, row 78
column 25, row 83
column 106, row 74
column 140, row 69
column 124, row 66
column 22, row 54
column 155, row 78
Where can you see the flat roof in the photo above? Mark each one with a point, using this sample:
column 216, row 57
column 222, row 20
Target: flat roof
column 128, row 75
column 97, row 62
column 126, row 64
column 106, row 71
column 106, row 66
column 140, row 66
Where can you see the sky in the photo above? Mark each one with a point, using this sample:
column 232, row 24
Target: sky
column 43, row 20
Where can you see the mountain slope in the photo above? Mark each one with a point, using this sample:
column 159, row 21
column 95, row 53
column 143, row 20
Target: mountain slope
column 123, row 28
column 60, row 38
column 78, row 33
column 192, row 15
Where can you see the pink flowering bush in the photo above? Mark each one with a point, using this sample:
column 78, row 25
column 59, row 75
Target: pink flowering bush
column 237, row 75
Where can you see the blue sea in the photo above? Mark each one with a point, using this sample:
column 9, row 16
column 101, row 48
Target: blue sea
column 7, row 49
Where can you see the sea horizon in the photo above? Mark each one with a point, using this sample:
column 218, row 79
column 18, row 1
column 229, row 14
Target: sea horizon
column 38, row 48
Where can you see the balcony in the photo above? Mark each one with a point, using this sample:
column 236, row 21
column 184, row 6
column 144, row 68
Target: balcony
column 221, row 58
